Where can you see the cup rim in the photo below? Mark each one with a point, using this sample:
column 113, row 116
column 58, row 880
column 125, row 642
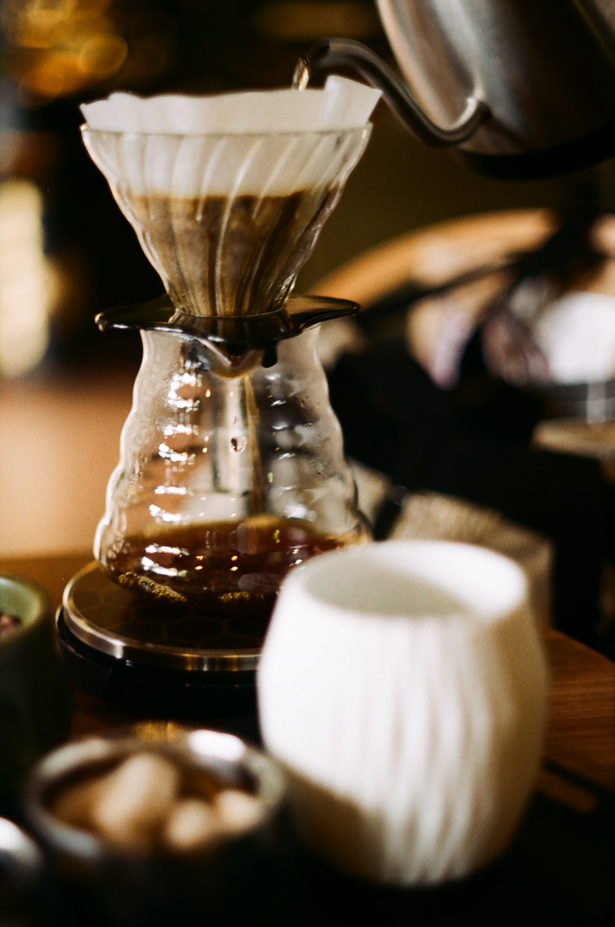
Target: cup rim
column 426, row 560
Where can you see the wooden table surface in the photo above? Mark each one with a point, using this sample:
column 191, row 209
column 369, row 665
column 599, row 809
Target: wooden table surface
column 576, row 785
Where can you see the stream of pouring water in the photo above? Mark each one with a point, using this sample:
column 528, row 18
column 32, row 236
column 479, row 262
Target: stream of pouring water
column 245, row 407
column 301, row 75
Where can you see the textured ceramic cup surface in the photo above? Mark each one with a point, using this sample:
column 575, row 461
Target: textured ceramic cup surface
column 35, row 701
column 403, row 687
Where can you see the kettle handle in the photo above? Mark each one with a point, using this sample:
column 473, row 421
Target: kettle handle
column 330, row 53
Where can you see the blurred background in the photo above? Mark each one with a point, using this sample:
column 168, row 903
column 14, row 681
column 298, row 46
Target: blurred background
column 66, row 252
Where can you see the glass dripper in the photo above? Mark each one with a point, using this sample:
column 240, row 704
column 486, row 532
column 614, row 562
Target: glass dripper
column 231, row 467
column 233, row 244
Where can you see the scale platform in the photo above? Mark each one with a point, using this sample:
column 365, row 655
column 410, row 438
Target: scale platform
column 150, row 655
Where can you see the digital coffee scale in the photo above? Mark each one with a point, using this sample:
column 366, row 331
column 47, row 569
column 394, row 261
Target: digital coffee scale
column 154, row 655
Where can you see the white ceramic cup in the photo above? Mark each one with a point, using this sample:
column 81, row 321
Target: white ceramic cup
column 403, row 686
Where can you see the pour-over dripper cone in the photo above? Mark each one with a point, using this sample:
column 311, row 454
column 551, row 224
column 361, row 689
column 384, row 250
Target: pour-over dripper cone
column 229, row 217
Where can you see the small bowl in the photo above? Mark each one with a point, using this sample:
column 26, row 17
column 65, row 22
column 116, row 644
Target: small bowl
column 21, row 870
column 35, row 699
column 133, row 886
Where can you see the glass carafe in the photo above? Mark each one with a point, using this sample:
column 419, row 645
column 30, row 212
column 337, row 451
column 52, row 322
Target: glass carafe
column 226, row 479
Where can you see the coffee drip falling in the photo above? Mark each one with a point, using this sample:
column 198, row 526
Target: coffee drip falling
column 231, row 468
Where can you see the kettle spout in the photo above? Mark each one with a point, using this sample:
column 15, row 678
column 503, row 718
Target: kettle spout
column 329, row 54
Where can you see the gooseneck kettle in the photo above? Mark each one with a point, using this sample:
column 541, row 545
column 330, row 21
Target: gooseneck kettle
column 518, row 88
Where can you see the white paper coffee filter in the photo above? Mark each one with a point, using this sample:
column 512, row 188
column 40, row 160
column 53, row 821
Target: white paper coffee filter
column 258, row 143
column 341, row 104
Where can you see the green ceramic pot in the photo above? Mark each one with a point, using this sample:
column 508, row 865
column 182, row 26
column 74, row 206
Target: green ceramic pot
column 35, row 699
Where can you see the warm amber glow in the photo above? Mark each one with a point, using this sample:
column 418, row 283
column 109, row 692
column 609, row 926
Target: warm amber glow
column 49, row 23
column 305, row 20
column 102, row 56
column 25, row 278
column 59, row 47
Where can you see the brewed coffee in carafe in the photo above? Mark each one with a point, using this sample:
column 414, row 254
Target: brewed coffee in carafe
column 231, row 468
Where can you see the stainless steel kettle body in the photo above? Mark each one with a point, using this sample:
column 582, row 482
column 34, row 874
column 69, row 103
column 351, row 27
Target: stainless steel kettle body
column 521, row 88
